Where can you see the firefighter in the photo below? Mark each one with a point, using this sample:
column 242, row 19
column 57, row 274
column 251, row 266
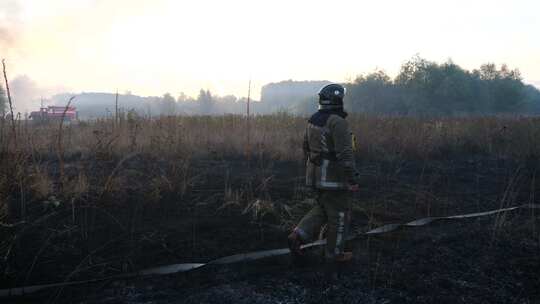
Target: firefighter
column 331, row 172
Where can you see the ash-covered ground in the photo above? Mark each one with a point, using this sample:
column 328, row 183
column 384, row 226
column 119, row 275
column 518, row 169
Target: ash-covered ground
column 229, row 207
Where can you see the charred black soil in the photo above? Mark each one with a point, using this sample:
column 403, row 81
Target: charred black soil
column 140, row 212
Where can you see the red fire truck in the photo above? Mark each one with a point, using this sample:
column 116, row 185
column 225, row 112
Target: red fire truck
column 54, row 113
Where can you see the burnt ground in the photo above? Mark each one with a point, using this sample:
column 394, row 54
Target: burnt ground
column 156, row 213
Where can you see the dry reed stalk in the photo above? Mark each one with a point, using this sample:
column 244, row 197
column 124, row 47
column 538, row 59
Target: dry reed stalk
column 106, row 187
column 2, row 135
column 60, row 147
column 13, row 130
column 248, row 148
column 116, row 109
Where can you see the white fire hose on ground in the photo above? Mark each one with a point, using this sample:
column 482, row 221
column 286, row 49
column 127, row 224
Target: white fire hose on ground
column 250, row 256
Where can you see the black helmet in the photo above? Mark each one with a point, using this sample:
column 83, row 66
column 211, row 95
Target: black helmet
column 331, row 96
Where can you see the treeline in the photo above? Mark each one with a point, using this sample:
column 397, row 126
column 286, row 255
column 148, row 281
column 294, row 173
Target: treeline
column 96, row 105
column 421, row 88
column 424, row 87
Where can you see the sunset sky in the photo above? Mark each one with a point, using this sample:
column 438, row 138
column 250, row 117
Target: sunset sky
column 158, row 46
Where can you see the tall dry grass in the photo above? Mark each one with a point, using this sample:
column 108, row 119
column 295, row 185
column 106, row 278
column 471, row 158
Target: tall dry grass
column 273, row 137
column 279, row 137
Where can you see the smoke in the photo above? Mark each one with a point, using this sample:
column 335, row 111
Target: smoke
column 10, row 12
column 6, row 40
column 27, row 94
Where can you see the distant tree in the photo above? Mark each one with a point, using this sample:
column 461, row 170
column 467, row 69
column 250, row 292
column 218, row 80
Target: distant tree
column 488, row 72
column 413, row 72
column 447, row 89
column 452, row 90
column 167, row 105
column 508, row 95
column 503, row 89
column 182, row 97
column 424, row 87
column 531, row 103
column 414, row 81
column 206, row 102
column 228, row 99
column 373, row 93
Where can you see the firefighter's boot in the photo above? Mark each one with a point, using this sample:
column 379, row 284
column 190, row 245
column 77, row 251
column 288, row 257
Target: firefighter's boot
column 295, row 242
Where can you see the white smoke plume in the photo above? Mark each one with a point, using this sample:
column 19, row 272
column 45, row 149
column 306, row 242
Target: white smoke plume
column 10, row 11
column 27, row 94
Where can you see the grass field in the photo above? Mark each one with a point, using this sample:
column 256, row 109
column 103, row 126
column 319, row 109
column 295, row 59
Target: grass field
column 96, row 198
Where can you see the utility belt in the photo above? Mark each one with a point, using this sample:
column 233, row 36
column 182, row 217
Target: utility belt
column 317, row 158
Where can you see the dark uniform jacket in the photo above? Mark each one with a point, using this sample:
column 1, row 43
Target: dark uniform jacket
column 328, row 145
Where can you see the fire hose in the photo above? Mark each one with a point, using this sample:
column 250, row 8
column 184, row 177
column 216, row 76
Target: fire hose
column 255, row 255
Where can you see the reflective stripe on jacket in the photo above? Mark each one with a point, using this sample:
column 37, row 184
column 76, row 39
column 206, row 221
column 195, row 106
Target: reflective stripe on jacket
column 329, row 150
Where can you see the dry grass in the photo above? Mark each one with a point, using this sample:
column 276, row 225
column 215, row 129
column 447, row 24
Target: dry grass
column 41, row 185
column 279, row 137
column 113, row 166
column 180, row 139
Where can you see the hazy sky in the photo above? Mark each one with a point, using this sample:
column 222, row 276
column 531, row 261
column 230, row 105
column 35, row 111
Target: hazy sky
column 158, row 46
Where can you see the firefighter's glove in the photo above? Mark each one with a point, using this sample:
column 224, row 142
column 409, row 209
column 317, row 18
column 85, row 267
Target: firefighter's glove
column 354, row 180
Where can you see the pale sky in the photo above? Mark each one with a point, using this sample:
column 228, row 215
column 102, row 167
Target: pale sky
column 158, row 46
